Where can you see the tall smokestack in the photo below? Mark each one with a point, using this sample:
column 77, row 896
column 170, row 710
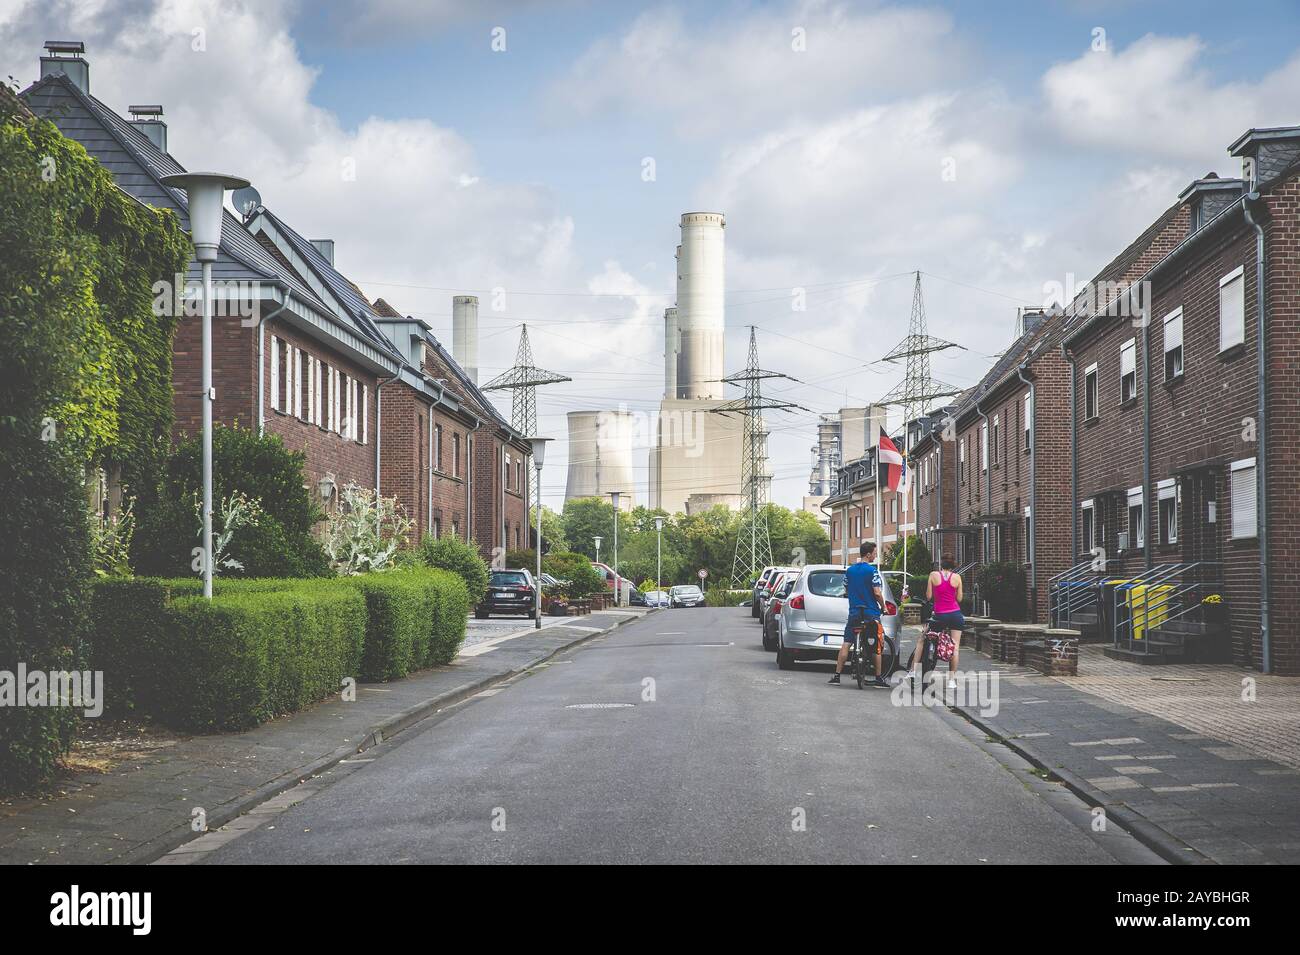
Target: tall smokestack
column 670, row 353
column 464, row 334
column 701, row 305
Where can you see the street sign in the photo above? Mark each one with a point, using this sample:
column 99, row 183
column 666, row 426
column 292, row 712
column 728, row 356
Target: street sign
column 703, row 573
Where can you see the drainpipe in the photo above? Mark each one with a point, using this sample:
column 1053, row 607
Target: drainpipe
column 469, row 476
column 986, row 454
column 261, row 360
column 1148, row 526
column 1032, row 536
column 1261, row 473
column 428, row 510
column 1068, row 357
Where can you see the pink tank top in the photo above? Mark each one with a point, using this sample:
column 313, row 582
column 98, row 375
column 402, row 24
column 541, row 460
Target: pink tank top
column 945, row 595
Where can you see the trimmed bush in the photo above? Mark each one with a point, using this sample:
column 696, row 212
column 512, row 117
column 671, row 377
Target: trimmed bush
column 397, row 609
column 451, row 553
column 266, row 646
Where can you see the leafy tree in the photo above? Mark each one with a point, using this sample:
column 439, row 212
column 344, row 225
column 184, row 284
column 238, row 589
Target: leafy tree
column 586, row 518
column 919, row 563
column 85, row 376
column 552, row 528
column 576, row 569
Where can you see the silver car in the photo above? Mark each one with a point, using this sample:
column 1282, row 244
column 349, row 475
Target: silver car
column 813, row 616
column 685, row 595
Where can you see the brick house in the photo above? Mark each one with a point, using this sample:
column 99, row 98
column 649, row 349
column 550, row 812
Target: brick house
column 1176, row 417
column 933, row 461
column 852, row 511
column 370, row 397
column 1009, row 481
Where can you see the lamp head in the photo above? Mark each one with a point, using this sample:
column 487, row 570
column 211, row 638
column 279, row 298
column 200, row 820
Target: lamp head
column 539, row 451
column 205, row 196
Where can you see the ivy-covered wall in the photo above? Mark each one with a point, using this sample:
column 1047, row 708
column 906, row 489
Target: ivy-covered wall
column 85, row 379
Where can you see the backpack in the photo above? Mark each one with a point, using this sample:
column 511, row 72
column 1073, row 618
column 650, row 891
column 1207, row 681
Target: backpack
column 944, row 647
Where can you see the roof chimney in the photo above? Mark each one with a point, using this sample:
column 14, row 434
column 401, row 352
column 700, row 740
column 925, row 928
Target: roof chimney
column 326, row 248
column 464, row 334
column 64, row 56
column 148, row 120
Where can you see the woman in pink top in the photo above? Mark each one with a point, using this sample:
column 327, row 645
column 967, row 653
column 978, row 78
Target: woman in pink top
column 945, row 592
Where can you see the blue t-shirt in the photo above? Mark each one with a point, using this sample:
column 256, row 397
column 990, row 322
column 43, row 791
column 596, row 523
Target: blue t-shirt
column 859, row 580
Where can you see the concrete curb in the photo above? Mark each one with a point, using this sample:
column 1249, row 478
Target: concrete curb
column 1160, row 841
column 386, row 729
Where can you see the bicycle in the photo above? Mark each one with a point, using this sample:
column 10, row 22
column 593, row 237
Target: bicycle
column 858, row 656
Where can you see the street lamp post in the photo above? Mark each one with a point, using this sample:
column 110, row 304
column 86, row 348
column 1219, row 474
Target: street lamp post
column 659, row 551
column 539, row 453
column 205, row 196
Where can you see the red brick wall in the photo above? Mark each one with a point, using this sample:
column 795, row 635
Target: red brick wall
column 1282, row 282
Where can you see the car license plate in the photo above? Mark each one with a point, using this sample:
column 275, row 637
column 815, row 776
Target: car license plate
column 826, row 638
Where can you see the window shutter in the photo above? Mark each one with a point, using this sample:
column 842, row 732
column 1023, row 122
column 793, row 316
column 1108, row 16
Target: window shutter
column 352, row 408
column 311, row 388
column 275, row 372
column 1232, row 310
column 1174, row 331
column 1128, row 358
column 365, row 414
column 297, row 383
column 1244, row 522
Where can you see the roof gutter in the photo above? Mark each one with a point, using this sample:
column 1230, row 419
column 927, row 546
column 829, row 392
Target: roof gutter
column 1261, row 430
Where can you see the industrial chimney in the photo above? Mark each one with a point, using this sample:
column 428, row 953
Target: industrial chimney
column 701, row 305
column 464, row 334
column 671, row 338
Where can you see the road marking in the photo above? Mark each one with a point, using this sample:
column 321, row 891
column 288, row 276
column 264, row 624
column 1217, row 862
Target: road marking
column 598, row 706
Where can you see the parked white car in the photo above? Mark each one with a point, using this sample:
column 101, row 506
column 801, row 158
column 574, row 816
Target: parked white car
column 812, row 619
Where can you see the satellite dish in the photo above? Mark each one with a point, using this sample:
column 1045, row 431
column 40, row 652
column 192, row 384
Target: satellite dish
column 246, row 200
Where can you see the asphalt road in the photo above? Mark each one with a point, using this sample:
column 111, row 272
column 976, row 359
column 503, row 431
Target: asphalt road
column 732, row 760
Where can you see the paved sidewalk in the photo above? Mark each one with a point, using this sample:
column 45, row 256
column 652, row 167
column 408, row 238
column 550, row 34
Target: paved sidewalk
column 1174, row 748
column 143, row 808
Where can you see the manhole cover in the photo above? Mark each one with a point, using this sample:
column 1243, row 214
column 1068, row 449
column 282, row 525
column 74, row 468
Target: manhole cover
column 598, row 706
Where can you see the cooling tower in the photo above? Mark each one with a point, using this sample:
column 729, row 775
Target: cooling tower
column 600, row 455
column 464, row 334
column 701, row 305
column 671, row 336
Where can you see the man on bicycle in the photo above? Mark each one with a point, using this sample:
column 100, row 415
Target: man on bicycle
column 866, row 601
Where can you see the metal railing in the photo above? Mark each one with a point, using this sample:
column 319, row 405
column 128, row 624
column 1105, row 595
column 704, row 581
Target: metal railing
column 1165, row 590
column 1072, row 592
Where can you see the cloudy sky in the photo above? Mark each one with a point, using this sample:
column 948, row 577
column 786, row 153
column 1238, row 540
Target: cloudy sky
column 997, row 147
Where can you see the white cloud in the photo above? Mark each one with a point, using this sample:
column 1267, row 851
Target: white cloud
column 740, row 70
column 1155, row 98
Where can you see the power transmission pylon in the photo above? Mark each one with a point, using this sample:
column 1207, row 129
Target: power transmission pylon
column 522, row 380
column 753, row 541
column 917, row 391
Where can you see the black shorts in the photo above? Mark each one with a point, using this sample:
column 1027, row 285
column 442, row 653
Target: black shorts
column 950, row 621
column 870, row 629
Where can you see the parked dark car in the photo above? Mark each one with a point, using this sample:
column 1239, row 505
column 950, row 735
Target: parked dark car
column 636, row 599
column 509, row 592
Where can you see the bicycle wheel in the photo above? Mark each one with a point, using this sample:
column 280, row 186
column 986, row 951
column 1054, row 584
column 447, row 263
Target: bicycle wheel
column 888, row 656
column 859, row 661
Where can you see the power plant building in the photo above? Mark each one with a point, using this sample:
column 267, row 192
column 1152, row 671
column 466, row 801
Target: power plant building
column 696, row 456
column 600, row 456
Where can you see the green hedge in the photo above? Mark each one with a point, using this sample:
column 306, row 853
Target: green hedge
column 264, row 647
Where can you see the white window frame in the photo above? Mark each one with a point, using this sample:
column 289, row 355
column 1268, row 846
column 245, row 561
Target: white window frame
column 1236, row 335
column 275, row 373
column 1167, row 490
column 997, row 436
column 1175, row 316
column 1127, row 367
column 1029, row 417
column 365, row 414
column 1136, row 498
column 984, row 445
column 1091, row 372
column 1240, row 531
column 1087, row 520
